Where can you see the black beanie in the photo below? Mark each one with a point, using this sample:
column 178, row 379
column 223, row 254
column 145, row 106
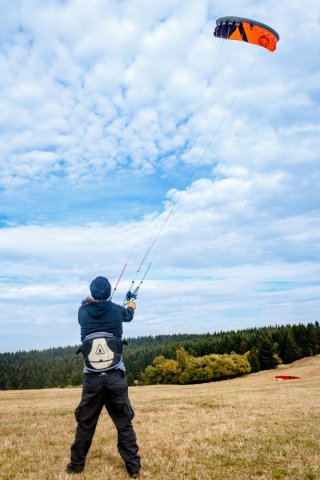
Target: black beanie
column 100, row 288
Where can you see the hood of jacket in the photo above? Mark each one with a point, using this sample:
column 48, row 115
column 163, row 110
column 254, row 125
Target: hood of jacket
column 97, row 308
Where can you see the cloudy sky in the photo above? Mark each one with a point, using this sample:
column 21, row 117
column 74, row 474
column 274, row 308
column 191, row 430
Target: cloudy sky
column 112, row 112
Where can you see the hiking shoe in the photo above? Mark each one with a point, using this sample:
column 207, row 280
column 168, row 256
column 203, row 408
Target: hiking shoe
column 134, row 475
column 74, row 469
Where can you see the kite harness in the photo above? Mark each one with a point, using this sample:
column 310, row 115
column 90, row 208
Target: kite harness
column 101, row 351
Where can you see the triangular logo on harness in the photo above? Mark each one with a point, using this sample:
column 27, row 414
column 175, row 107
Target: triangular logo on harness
column 100, row 350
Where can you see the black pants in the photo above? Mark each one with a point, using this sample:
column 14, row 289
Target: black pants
column 109, row 390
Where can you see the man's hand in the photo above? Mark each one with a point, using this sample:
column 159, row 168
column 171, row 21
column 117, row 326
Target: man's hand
column 132, row 305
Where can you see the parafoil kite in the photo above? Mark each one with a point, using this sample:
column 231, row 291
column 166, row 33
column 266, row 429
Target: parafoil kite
column 245, row 30
column 286, row 377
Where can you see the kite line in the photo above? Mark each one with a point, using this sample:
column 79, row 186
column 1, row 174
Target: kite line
column 231, row 28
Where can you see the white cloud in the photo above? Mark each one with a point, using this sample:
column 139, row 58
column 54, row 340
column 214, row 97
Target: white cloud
column 218, row 260
column 144, row 89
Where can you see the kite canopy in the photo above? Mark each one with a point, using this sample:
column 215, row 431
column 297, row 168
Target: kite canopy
column 286, row 377
column 245, row 30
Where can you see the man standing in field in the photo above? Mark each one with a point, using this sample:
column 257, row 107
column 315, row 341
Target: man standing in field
column 105, row 382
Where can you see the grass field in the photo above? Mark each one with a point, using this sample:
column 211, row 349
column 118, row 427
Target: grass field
column 247, row 428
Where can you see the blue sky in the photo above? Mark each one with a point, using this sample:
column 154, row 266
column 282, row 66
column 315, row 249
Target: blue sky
column 104, row 114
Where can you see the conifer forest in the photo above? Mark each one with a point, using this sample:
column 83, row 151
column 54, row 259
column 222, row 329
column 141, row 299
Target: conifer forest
column 170, row 359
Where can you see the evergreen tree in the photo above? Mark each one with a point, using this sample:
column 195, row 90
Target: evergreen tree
column 311, row 340
column 241, row 343
column 267, row 358
column 253, row 358
column 291, row 350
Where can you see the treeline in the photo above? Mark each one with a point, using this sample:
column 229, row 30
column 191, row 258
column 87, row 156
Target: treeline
column 54, row 367
column 267, row 346
column 60, row 367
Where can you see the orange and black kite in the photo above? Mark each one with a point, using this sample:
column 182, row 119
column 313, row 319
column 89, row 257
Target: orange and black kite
column 245, row 30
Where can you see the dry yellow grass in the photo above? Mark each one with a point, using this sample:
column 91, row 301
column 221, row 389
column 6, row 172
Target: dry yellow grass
column 246, row 428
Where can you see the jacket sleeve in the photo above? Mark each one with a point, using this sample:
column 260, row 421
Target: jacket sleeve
column 128, row 314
